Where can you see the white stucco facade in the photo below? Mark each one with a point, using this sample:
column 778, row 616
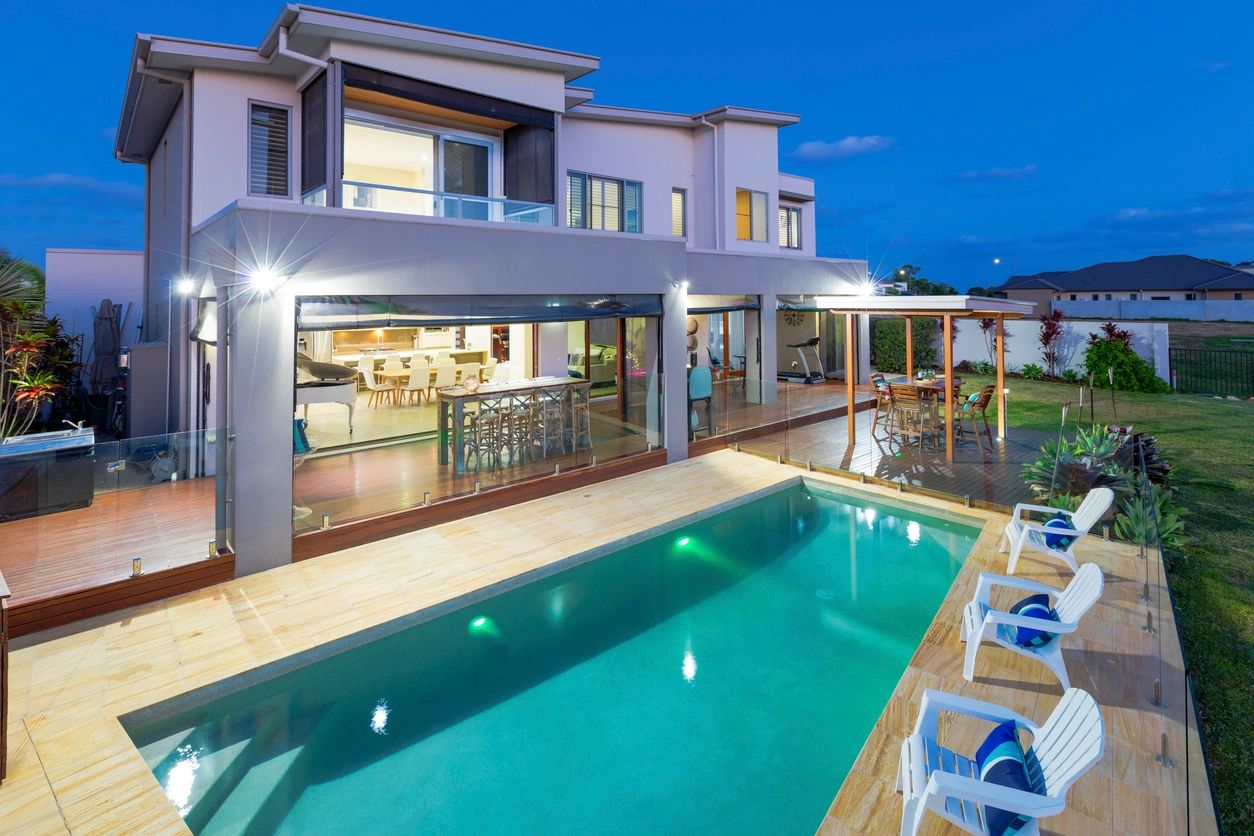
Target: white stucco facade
column 191, row 127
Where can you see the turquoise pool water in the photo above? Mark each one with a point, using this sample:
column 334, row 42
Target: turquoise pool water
column 721, row 677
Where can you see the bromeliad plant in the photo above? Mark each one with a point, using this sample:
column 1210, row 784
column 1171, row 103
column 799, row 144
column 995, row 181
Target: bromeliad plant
column 37, row 363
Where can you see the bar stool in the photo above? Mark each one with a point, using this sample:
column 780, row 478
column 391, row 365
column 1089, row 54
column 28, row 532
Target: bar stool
column 581, row 417
column 548, row 420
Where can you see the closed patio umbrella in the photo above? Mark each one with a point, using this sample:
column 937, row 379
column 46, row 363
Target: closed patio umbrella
column 107, row 337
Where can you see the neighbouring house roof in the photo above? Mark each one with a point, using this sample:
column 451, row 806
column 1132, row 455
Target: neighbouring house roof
column 1156, row 272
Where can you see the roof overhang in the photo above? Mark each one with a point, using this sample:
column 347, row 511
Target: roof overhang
column 967, row 307
column 310, row 30
column 664, row 119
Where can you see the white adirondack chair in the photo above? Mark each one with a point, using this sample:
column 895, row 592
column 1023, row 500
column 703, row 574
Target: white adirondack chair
column 1022, row 532
column 931, row 777
column 980, row 622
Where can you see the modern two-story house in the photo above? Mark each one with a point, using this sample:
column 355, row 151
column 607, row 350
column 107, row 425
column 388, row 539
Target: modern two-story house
column 395, row 199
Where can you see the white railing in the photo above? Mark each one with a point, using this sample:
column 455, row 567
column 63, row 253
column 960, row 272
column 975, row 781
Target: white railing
column 359, row 195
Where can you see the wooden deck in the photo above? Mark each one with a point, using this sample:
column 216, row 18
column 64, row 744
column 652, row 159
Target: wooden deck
column 74, row 770
column 989, row 474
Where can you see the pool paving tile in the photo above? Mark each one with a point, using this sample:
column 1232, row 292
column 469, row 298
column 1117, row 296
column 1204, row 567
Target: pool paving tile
column 72, row 768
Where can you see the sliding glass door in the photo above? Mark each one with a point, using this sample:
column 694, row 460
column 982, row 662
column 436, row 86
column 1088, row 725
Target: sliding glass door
column 466, row 172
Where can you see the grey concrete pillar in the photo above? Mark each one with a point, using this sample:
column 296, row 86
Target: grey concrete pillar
column 554, row 348
column 261, row 339
column 864, row 348
column 675, row 373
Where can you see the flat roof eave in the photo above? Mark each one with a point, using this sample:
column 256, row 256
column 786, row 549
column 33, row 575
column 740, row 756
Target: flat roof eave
column 958, row 306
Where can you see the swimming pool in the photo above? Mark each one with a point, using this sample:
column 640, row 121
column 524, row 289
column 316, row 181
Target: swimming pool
column 721, row 676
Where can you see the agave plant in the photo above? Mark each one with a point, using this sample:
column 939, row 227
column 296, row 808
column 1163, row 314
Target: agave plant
column 1070, row 474
column 1098, row 443
column 1141, row 452
column 1151, row 516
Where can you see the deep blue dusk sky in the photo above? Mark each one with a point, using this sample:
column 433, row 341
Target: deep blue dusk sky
column 1049, row 135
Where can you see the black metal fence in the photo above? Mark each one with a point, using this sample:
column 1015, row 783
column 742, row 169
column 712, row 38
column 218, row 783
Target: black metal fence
column 1211, row 372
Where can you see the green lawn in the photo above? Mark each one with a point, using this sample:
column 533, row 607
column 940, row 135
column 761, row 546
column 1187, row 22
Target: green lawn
column 1208, row 443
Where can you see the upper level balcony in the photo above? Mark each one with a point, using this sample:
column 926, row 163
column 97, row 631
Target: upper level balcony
column 425, row 202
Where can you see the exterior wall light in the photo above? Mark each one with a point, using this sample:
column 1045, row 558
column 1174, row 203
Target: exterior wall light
column 680, row 284
column 265, row 279
column 185, row 286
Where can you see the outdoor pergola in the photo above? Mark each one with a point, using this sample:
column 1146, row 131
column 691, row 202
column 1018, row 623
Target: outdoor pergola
column 947, row 309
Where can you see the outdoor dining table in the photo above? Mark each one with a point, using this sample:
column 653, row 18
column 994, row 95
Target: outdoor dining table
column 453, row 400
column 934, row 390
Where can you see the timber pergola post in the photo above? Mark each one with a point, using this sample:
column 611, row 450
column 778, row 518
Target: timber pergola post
column 948, row 339
column 1001, row 378
column 909, row 348
column 849, row 375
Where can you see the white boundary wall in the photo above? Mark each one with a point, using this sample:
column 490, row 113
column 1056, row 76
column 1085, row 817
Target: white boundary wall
column 1149, row 339
column 1211, row 310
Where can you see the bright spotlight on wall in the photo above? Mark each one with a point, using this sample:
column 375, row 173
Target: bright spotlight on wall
column 867, row 288
column 265, row 279
column 185, row 286
column 681, row 284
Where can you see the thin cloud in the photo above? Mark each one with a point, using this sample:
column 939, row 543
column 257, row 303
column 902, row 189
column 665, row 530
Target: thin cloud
column 74, row 182
column 987, row 175
column 818, row 151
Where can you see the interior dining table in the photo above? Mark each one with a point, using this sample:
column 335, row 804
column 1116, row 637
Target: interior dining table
column 398, row 378
column 453, row 401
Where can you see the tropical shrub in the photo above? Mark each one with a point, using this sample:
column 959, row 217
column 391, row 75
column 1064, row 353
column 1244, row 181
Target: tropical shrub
column 1050, row 334
column 1111, row 353
column 1032, row 371
column 888, row 344
column 1070, row 376
column 988, row 329
column 36, row 363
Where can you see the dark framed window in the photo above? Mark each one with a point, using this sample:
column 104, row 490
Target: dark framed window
column 790, row 227
column 606, row 203
column 1190, row 297
column 679, row 213
column 1238, row 296
column 1073, row 297
column 268, row 144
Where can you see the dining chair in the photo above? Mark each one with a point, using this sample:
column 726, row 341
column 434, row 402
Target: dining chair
column 419, row 380
column 392, row 364
column 883, row 405
column 445, row 376
column 908, row 411
column 379, row 391
column 975, row 407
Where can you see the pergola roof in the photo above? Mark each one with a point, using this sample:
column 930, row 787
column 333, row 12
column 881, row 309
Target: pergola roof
column 968, row 307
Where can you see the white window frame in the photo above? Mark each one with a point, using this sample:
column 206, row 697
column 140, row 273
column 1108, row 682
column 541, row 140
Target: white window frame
column 794, row 212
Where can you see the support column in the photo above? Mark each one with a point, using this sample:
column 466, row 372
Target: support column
column 553, row 349
column 850, row 375
column 761, row 362
column 260, row 331
column 949, row 387
column 909, row 348
column 675, row 374
column 1001, row 377
column 864, row 347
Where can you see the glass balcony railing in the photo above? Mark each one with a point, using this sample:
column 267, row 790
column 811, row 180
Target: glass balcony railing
column 358, row 195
